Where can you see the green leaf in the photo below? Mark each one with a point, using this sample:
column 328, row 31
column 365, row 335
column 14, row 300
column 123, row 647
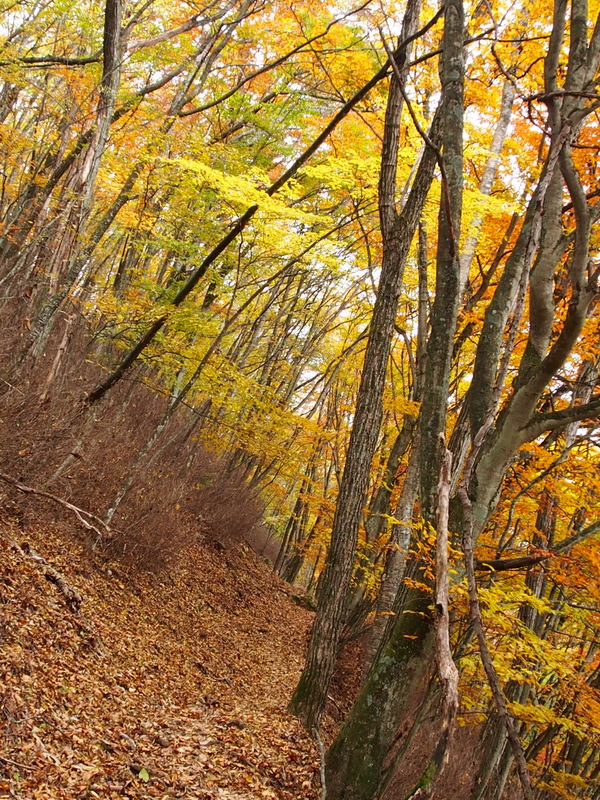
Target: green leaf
column 143, row 775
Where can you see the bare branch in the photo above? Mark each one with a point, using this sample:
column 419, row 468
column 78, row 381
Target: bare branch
column 47, row 60
column 194, row 22
column 541, row 423
column 504, row 564
column 241, row 224
column 271, row 64
column 86, row 518
column 321, row 747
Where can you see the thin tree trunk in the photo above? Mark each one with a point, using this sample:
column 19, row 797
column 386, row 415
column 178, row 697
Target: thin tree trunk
column 142, row 456
column 401, row 534
column 487, row 179
column 88, row 170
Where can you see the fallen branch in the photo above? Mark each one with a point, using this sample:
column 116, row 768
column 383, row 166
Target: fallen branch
column 17, row 764
column 72, row 597
column 83, row 516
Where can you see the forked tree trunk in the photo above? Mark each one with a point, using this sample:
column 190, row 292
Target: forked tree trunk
column 356, row 759
column 309, row 699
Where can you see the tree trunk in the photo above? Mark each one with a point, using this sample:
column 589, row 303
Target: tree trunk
column 395, row 562
column 87, row 171
column 355, row 764
column 372, row 725
column 309, row 699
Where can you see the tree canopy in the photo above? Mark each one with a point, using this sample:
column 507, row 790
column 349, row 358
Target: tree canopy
column 354, row 250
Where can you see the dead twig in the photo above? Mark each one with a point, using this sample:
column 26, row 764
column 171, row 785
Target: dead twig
column 85, row 517
column 17, row 764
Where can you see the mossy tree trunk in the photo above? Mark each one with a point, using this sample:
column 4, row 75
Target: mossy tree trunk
column 355, row 763
column 369, row 731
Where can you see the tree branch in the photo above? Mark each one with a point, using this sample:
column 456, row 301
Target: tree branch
column 50, row 61
column 86, row 518
column 504, row 564
column 486, row 658
column 555, row 419
column 271, row 65
column 241, row 224
column 578, row 537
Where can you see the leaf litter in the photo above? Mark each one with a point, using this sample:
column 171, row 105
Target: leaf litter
column 160, row 686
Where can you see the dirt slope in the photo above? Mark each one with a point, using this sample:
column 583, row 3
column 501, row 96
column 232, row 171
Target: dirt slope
column 169, row 686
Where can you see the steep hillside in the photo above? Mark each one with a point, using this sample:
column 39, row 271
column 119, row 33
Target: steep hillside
column 165, row 686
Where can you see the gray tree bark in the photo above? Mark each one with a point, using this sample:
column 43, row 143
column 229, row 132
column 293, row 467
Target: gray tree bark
column 308, row 701
column 355, row 762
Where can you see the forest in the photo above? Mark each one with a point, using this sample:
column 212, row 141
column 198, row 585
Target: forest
column 321, row 282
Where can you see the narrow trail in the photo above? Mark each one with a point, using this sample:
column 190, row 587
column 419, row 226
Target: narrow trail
column 160, row 686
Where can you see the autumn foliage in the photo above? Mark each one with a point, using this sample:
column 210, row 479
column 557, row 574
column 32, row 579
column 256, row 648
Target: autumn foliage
column 194, row 220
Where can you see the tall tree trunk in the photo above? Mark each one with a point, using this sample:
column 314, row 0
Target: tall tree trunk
column 308, row 701
column 87, row 170
column 372, row 725
column 487, row 179
column 401, row 533
column 399, row 543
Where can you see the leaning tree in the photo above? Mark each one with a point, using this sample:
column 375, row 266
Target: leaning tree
column 539, row 304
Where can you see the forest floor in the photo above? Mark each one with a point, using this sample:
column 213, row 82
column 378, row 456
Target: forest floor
column 172, row 685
